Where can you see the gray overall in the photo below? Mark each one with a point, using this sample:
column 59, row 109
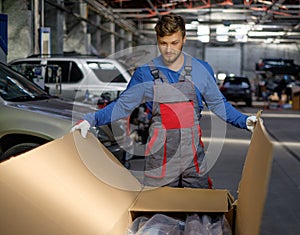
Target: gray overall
column 174, row 151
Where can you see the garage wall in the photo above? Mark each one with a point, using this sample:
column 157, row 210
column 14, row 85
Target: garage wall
column 224, row 59
column 19, row 28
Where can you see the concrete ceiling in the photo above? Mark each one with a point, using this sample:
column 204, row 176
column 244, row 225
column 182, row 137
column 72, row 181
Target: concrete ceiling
column 251, row 21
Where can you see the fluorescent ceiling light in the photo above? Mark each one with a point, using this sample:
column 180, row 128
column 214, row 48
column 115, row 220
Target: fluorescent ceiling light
column 264, row 34
column 203, row 30
column 203, row 38
column 268, row 40
column 222, row 34
column 241, row 34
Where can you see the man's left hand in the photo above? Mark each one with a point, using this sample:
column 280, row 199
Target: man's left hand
column 250, row 123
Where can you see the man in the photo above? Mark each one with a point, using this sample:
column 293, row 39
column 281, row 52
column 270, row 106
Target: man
column 174, row 87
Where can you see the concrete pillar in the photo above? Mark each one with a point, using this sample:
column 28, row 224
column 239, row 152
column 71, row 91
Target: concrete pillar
column 84, row 14
column 129, row 37
column 36, row 26
column 55, row 20
column 121, row 44
column 242, row 68
column 98, row 34
column 59, row 26
column 112, row 38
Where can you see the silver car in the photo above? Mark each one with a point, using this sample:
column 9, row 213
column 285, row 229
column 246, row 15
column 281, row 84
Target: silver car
column 30, row 117
column 76, row 77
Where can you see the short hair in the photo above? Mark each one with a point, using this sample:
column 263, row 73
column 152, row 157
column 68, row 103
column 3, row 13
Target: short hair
column 169, row 24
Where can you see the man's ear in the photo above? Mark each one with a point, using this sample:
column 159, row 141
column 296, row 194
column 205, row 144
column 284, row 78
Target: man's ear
column 184, row 39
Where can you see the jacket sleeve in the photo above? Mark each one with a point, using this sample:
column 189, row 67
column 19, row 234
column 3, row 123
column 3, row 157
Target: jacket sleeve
column 122, row 107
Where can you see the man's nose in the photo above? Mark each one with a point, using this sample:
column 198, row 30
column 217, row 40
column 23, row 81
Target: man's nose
column 169, row 48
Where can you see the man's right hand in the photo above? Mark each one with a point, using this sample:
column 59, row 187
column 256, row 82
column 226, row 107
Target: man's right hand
column 83, row 126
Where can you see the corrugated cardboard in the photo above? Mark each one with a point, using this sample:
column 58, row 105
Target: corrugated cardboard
column 254, row 183
column 76, row 186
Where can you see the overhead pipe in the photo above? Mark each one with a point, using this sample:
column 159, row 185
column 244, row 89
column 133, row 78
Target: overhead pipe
column 104, row 10
column 82, row 18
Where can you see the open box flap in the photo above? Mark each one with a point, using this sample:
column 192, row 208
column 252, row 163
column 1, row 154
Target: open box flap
column 49, row 190
column 76, row 186
column 254, row 183
column 181, row 200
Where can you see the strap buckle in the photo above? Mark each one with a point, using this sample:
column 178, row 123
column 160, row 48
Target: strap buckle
column 155, row 73
column 188, row 70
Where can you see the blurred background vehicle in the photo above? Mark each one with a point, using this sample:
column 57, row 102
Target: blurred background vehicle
column 75, row 77
column 237, row 88
column 276, row 76
column 30, row 117
column 278, row 66
column 277, row 89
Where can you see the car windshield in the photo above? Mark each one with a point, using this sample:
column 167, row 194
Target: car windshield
column 15, row 87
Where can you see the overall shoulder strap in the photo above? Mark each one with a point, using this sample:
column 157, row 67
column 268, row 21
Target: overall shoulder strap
column 157, row 75
column 186, row 73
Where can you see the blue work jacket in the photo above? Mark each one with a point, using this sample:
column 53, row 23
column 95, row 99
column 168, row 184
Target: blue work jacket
column 140, row 90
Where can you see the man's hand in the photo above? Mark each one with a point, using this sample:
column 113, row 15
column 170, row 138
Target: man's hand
column 250, row 123
column 83, row 126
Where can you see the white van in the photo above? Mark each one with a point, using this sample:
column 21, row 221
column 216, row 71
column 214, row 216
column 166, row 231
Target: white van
column 75, row 77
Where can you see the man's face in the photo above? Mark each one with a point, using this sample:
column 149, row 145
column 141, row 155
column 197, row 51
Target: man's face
column 170, row 47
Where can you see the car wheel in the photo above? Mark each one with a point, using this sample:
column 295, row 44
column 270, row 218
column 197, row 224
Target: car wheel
column 18, row 149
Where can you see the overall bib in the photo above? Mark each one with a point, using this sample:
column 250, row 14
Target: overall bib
column 174, row 152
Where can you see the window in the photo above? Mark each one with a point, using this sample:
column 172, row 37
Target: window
column 70, row 72
column 106, row 72
column 29, row 69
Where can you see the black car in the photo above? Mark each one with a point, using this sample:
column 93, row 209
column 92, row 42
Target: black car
column 237, row 88
column 278, row 66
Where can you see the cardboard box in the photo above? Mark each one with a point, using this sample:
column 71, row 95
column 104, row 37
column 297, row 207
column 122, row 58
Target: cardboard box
column 296, row 98
column 76, row 186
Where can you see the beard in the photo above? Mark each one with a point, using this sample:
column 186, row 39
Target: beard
column 172, row 56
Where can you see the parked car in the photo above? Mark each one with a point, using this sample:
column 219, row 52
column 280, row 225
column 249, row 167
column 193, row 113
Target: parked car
column 79, row 78
column 30, row 117
column 278, row 66
column 237, row 88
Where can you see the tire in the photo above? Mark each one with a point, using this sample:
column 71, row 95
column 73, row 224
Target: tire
column 18, row 149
